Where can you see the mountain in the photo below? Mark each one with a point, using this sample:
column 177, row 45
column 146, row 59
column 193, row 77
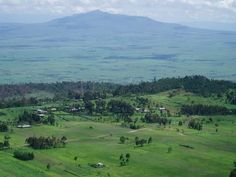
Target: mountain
column 97, row 22
column 112, row 47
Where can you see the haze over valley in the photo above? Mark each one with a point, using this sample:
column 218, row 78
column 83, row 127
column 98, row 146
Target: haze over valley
column 99, row 46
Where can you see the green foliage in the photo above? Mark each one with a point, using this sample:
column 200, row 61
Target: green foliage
column 149, row 140
column 200, row 109
column 233, row 173
column 122, row 139
column 169, row 150
column 48, row 166
column 23, row 155
column 3, row 127
column 195, row 84
column 5, row 144
column 46, row 142
column 124, row 160
column 18, row 102
column 89, row 106
column 122, row 109
column 29, row 117
column 155, row 118
column 195, row 124
column 140, row 142
column 231, row 97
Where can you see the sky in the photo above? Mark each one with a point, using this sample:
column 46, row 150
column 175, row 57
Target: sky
column 177, row 11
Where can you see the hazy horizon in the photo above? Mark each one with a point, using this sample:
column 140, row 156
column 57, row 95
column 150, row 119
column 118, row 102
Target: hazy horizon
column 220, row 14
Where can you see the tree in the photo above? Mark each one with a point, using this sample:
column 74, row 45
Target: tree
column 195, row 124
column 122, row 109
column 23, row 155
column 127, row 155
column 48, row 166
column 6, row 141
column 149, row 140
column 233, row 173
column 100, row 106
column 51, row 119
column 121, row 157
column 89, row 106
column 180, row 123
column 169, row 150
column 3, row 127
column 136, row 140
column 122, row 139
column 124, row 160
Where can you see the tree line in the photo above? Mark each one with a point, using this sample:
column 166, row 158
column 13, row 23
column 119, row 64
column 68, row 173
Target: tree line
column 33, row 118
column 196, row 84
column 23, row 155
column 46, row 142
column 200, row 109
column 155, row 118
column 3, row 127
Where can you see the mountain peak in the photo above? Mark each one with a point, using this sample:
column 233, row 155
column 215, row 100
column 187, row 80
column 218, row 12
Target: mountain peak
column 96, row 12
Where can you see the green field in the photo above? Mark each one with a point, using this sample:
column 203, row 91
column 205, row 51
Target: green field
column 212, row 153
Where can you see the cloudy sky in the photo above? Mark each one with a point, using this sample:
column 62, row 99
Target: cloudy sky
column 162, row 10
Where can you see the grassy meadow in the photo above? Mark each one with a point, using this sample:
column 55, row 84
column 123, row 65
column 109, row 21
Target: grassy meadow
column 95, row 140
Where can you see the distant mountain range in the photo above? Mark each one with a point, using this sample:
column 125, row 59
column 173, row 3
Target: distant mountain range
column 111, row 47
column 94, row 22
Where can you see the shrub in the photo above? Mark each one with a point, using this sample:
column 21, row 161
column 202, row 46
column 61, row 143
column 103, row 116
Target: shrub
column 22, row 155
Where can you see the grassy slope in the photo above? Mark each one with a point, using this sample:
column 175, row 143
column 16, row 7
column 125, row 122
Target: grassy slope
column 212, row 155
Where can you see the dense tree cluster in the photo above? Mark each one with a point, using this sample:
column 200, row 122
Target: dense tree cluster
column 28, row 117
column 155, row 118
column 23, row 155
column 199, row 109
column 5, row 144
column 195, row 84
column 195, row 124
column 141, row 142
column 33, row 118
column 121, row 109
column 142, row 102
column 18, row 102
column 231, row 97
column 3, row 127
column 124, row 160
column 233, row 172
column 123, row 139
column 60, row 89
column 46, row 142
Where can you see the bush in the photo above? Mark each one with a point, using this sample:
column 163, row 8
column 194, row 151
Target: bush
column 3, row 127
column 233, row 173
column 22, row 155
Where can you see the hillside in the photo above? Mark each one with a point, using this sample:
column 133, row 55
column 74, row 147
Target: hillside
column 177, row 127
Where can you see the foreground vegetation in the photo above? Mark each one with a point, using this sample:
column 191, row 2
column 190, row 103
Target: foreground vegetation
column 165, row 132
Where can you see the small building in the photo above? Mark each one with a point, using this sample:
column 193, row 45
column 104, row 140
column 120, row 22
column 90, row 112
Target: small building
column 74, row 110
column 146, row 111
column 40, row 111
column 41, row 115
column 53, row 109
column 100, row 165
column 137, row 109
column 162, row 108
column 23, row 126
